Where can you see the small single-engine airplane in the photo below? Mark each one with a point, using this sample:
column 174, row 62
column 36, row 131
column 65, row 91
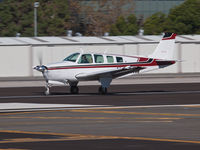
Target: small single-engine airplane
column 105, row 67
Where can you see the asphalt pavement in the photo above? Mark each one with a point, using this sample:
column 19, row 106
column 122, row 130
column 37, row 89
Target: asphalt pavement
column 132, row 116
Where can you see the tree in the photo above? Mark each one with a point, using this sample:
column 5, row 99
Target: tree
column 154, row 24
column 17, row 17
column 125, row 26
column 99, row 15
column 185, row 18
column 182, row 19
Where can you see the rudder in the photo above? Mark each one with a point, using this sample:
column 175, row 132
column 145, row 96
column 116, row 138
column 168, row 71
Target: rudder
column 165, row 49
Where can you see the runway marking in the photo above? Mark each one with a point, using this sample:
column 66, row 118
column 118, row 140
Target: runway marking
column 94, row 118
column 135, row 113
column 68, row 137
column 12, row 149
column 90, row 122
column 7, row 107
column 150, row 106
column 97, row 107
column 109, row 94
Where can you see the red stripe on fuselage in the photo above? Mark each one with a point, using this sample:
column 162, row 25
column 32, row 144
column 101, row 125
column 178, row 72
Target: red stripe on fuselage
column 142, row 59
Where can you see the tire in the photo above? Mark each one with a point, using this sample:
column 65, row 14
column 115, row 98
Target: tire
column 74, row 90
column 102, row 90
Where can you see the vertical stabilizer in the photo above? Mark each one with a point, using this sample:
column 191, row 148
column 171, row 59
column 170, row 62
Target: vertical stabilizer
column 165, row 49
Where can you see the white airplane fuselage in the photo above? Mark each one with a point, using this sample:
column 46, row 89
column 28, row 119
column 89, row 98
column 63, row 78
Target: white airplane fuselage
column 69, row 71
column 105, row 67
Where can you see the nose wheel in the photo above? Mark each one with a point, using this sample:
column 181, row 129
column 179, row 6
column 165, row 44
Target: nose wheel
column 74, row 90
column 47, row 92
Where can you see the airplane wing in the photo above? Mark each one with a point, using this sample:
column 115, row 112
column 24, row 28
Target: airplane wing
column 108, row 73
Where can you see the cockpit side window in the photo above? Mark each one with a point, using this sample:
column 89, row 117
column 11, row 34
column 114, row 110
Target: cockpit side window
column 72, row 57
column 98, row 58
column 119, row 59
column 110, row 59
column 85, row 58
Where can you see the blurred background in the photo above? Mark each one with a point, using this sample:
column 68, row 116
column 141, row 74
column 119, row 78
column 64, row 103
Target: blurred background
column 53, row 29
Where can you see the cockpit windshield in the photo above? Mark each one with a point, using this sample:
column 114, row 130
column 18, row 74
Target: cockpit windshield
column 72, row 57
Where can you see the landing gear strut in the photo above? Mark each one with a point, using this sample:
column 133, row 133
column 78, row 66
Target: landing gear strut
column 105, row 83
column 74, row 89
column 47, row 92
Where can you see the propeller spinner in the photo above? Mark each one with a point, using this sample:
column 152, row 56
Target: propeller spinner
column 40, row 67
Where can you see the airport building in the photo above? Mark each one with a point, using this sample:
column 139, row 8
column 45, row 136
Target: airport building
column 20, row 54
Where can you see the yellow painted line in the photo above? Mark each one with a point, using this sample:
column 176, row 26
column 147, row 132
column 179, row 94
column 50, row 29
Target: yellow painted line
column 81, row 122
column 105, row 108
column 169, row 121
column 83, row 137
column 109, row 112
column 135, row 113
column 161, row 140
column 93, row 118
column 13, row 149
column 193, row 106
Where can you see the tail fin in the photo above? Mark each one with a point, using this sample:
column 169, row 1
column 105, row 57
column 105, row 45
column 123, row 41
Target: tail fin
column 165, row 49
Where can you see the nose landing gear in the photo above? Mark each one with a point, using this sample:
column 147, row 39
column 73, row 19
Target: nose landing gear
column 47, row 92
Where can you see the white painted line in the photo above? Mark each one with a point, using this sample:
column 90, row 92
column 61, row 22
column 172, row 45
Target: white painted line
column 39, row 96
column 25, row 107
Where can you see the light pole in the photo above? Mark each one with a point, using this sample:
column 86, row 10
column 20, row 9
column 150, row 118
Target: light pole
column 36, row 5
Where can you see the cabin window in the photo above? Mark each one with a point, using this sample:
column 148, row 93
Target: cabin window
column 110, row 59
column 119, row 59
column 98, row 58
column 72, row 57
column 85, row 58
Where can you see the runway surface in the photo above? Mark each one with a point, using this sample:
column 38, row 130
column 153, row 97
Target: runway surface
column 143, row 116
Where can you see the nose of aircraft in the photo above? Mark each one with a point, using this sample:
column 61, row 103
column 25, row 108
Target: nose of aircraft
column 41, row 68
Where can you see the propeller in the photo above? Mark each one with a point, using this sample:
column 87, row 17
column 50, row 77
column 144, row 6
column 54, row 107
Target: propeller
column 42, row 68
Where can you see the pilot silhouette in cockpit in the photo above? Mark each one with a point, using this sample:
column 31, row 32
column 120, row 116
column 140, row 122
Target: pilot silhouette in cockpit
column 84, row 59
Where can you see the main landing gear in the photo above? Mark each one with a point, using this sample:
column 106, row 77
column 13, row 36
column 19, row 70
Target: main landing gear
column 105, row 83
column 103, row 90
column 74, row 89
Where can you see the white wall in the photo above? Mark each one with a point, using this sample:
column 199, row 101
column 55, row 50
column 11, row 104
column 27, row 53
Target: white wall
column 19, row 60
column 191, row 57
column 14, row 61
